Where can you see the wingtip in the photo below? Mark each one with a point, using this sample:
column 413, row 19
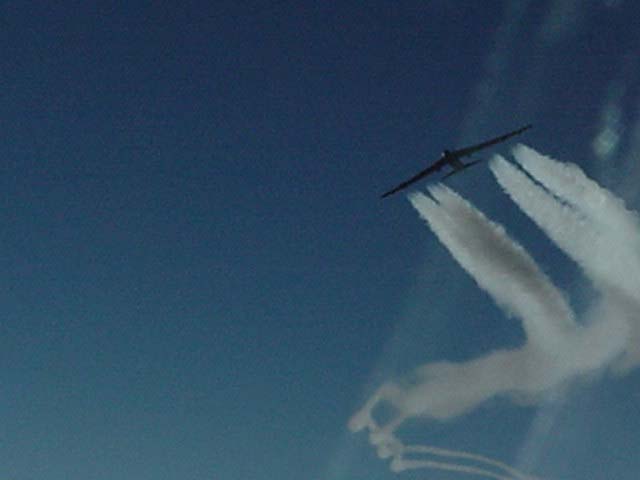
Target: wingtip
column 389, row 193
column 524, row 129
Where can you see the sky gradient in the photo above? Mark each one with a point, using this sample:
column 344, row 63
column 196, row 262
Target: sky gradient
column 200, row 280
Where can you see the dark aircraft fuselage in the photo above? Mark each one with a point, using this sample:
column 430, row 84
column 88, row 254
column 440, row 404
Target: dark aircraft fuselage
column 453, row 159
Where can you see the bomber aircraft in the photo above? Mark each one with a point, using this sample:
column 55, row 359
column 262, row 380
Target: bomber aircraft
column 452, row 158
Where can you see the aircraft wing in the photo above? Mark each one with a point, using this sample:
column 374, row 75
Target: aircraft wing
column 463, row 152
column 427, row 171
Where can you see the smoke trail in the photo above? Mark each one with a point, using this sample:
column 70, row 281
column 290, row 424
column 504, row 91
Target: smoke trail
column 595, row 229
column 592, row 227
column 504, row 270
column 570, row 229
column 446, row 390
column 400, row 463
column 607, row 141
column 390, row 446
column 569, row 183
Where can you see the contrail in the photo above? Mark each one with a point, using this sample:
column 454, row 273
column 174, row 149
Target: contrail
column 591, row 226
column 389, row 445
column 588, row 223
column 445, row 390
column 570, row 229
column 504, row 269
column 403, row 464
column 568, row 182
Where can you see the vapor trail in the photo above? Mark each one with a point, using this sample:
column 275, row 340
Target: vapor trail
column 445, row 390
column 568, row 182
column 402, row 465
column 504, row 269
column 388, row 445
column 570, row 229
column 589, row 224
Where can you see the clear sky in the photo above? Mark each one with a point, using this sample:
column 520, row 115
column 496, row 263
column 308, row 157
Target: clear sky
column 199, row 277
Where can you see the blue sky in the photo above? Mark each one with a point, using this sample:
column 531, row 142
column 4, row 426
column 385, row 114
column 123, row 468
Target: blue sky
column 200, row 280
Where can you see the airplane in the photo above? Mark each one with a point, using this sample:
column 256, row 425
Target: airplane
column 452, row 158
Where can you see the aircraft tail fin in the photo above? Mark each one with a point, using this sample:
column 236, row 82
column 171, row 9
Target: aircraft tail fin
column 459, row 169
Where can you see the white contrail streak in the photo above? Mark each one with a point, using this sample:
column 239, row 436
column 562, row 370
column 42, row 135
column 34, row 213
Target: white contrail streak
column 402, row 465
column 567, row 227
column 504, row 269
column 603, row 253
column 569, row 183
column 459, row 455
column 589, row 224
column 445, row 390
column 389, row 445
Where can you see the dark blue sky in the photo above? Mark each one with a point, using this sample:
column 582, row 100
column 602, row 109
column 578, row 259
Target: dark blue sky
column 200, row 280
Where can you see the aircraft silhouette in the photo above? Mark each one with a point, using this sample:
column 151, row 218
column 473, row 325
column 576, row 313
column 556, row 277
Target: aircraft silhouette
column 452, row 158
